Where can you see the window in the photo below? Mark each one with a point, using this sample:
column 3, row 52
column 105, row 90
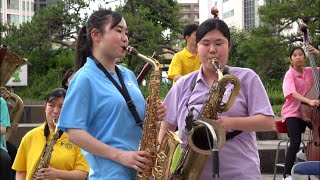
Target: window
column 13, row 4
column 228, row 14
column 249, row 14
column 13, row 19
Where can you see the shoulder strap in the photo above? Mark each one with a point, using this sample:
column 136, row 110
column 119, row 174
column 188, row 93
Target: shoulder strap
column 124, row 92
column 229, row 135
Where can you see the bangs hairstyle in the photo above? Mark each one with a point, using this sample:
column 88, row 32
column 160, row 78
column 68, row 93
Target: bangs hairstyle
column 295, row 48
column 56, row 93
column 100, row 18
column 212, row 24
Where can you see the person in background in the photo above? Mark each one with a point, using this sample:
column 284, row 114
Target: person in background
column 12, row 149
column 313, row 50
column 67, row 78
column 5, row 160
column 66, row 161
column 251, row 110
column 187, row 60
column 95, row 114
column 296, row 83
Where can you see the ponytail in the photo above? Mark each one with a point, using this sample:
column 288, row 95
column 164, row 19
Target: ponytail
column 84, row 44
column 83, row 48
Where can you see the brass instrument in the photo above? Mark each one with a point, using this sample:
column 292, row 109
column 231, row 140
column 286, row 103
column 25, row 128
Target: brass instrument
column 195, row 155
column 161, row 153
column 44, row 159
column 9, row 62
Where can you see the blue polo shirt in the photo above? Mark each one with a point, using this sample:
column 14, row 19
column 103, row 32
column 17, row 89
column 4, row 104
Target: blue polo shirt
column 94, row 104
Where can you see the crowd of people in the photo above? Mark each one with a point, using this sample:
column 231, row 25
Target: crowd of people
column 96, row 117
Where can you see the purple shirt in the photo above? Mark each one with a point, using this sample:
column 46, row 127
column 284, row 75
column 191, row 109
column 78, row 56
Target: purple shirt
column 295, row 82
column 239, row 158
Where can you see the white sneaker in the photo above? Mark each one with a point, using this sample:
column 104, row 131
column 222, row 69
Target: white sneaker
column 287, row 178
column 301, row 155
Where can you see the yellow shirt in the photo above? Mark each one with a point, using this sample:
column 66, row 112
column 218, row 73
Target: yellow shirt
column 65, row 155
column 183, row 63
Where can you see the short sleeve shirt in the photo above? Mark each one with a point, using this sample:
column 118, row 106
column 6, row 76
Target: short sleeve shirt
column 239, row 157
column 183, row 63
column 95, row 105
column 65, row 155
column 295, row 82
column 4, row 121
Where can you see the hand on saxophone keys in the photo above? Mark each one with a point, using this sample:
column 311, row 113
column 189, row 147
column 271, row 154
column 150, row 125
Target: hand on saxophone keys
column 161, row 110
column 48, row 173
column 137, row 160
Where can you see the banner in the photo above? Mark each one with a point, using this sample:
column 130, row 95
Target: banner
column 19, row 77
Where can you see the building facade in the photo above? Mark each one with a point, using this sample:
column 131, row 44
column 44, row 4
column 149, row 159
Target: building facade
column 241, row 14
column 189, row 11
column 16, row 11
column 43, row 3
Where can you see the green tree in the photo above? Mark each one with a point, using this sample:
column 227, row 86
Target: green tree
column 148, row 21
column 48, row 40
column 267, row 48
column 53, row 25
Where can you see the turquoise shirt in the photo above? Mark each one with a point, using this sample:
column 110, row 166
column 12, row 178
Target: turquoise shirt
column 95, row 105
column 4, row 121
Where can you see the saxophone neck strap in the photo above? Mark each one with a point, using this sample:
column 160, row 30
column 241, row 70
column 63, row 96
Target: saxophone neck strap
column 123, row 90
column 230, row 134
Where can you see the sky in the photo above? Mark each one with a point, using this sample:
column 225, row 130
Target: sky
column 112, row 4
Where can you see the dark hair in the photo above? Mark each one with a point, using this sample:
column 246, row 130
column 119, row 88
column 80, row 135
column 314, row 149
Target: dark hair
column 97, row 20
column 65, row 78
column 189, row 29
column 212, row 24
column 56, row 93
column 295, row 48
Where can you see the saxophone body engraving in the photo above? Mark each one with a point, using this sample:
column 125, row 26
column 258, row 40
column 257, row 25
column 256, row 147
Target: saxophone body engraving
column 45, row 156
column 161, row 153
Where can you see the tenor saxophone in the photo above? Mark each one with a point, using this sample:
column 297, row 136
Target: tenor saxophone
column 44, row 160
column 196, row 153
column 161, row 154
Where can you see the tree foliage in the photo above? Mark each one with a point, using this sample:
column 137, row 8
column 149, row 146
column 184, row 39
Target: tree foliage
column 148, row 21
column 47, row 41
column 266, row 50
column 53, row 25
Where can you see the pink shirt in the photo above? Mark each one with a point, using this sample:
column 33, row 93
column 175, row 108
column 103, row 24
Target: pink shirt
column 295, row 82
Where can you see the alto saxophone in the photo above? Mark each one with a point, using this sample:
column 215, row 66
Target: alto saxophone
column 196, row 153
column 46, row 153
column 161, row 154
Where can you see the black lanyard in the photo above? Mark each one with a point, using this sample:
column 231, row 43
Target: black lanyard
column 122, row 90
column 230, row 134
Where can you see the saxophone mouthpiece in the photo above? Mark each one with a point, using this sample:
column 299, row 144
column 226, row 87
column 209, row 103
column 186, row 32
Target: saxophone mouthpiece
column 132, row 51
column 215, row 63
column 54, row 120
